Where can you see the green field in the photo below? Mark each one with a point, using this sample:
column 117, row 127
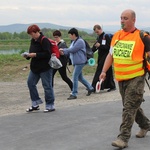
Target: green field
column 14, row 67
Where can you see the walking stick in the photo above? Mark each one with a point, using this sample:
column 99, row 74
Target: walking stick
column 68, row 69
column 147, row 83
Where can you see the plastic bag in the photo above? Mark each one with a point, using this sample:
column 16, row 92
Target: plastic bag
column 54, row 62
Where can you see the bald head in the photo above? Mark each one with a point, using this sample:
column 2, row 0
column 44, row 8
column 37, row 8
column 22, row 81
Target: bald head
column 128, row 18
column 131, row 12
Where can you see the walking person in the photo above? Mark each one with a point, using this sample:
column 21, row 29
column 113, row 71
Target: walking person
column 77, row 54
column 64, row 60
column 102, row 45
column 39, row 53
column 127, row 51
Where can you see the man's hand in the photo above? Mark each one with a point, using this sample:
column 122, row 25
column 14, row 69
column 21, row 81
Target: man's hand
column 102, row 76
column 97, row 44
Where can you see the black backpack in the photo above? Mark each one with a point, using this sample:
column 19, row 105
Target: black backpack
column 89, row 52
column 146, row 61
column 109, row 34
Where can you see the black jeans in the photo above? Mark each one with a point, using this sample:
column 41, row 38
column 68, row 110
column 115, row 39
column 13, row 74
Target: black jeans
column 108, row 82
column 63, row 74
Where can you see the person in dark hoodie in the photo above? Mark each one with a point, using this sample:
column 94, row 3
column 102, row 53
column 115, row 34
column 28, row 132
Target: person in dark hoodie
column 64, row 60
column 39, row 53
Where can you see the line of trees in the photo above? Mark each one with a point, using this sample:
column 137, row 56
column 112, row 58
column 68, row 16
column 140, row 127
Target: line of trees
column 47, row 32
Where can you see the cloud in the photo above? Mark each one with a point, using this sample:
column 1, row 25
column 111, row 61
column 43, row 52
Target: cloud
column 78, row 13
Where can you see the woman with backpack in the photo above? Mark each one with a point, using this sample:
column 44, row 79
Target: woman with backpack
column 77, row 54
column 62, row 71
column 39, row 54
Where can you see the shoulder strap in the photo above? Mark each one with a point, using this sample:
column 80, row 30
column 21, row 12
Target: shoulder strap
column 104, row 35
column 42, row 39
column 52, row 42
column 143, row 34
column 109, row 35
column 75, row 40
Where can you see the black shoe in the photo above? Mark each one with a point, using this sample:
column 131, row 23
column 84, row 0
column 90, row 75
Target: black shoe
column 32, row 109
column 89, row 92
column 111, row 89
column 72, row 97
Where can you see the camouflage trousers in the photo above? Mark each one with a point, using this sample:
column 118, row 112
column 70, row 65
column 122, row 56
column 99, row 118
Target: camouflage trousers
column 132, row 96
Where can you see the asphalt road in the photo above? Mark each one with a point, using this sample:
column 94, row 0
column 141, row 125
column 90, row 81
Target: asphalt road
column 85, row 127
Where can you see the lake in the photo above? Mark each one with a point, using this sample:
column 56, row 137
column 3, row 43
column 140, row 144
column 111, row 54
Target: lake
column 13, row 51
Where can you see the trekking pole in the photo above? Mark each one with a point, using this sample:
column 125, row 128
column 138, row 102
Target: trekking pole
column 147, row 83
column 68, row 69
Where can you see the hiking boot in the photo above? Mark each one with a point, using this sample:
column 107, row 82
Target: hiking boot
column 120, row 143
column 32, row 108
column 142, row 133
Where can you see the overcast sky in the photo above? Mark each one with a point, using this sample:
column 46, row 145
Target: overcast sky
column 73, row 13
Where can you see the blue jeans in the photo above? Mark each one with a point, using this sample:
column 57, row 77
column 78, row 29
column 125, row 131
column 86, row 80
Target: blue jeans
column 46, row 78
column 77, row 76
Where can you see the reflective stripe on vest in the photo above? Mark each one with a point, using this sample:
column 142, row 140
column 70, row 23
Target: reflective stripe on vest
column 128, row 55
column 129, row 76
column 128, row 68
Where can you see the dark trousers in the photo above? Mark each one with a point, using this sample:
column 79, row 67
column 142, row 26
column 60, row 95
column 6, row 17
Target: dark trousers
column 109, row 81
column 63, row 73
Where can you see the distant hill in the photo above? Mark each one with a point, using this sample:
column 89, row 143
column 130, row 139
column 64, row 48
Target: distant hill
column 114, row 28
column 23, row 27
